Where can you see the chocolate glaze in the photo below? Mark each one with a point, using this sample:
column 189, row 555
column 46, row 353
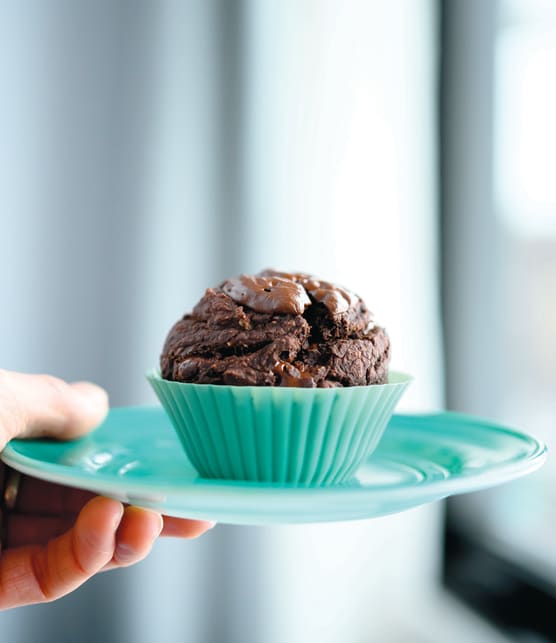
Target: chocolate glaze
column 335, row 298
column 267, row 294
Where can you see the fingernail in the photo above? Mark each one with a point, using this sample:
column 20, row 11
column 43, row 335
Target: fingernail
column 158, row 529
column 124, row 553
column 211, row 524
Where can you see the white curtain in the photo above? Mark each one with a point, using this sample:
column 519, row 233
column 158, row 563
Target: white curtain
column 151, row 149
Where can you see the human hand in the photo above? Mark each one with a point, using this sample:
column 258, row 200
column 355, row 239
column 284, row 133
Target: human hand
column 55, row 538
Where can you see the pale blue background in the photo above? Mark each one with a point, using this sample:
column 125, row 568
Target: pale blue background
column 148, row 150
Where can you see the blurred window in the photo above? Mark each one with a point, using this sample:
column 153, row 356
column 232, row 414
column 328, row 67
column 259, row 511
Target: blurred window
column 504, row 537
column 523, row 516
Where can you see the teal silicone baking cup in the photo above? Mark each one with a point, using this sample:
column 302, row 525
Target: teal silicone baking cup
column 278, row 434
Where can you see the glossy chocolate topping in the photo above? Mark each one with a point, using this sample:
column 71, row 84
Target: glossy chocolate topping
column 298, row 277
column 267, row 294
column 335, row 298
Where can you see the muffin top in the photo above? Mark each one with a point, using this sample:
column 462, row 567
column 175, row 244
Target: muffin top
column 277, row 329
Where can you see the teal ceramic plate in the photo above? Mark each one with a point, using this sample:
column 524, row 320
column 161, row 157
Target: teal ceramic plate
column 135, row 456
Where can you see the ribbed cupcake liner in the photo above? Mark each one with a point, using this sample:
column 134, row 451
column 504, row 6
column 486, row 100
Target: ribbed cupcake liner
column 278, row 434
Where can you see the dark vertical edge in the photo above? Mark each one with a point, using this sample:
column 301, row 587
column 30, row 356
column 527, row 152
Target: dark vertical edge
column 231, row 28
column 442, row 170
column 468, row 228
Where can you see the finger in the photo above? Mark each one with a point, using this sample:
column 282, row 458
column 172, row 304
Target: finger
column 42, row 405
column 51, row 499
column 38, row 574
column 32, row 529
column 137, row 532
column 48, row 498
column 140, row 528
column 23, row 530
column 184, row 528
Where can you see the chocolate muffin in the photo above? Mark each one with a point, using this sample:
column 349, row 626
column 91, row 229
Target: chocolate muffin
column 277, row 329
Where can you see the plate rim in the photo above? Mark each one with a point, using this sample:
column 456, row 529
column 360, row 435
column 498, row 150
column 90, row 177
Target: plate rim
column 429, row 490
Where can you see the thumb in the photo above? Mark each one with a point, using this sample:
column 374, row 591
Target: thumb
column 42, row 405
